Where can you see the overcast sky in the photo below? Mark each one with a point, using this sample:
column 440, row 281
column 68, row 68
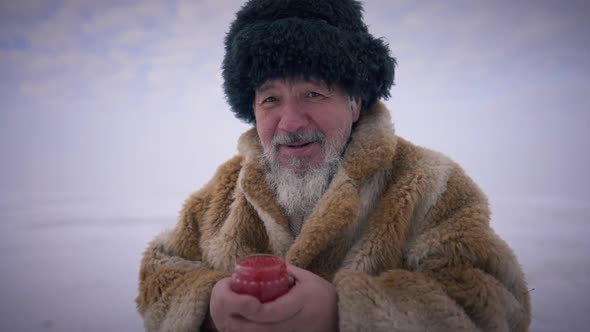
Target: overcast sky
column 116, row 107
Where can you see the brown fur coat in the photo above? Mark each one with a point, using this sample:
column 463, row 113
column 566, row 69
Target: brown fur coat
column 401, row 232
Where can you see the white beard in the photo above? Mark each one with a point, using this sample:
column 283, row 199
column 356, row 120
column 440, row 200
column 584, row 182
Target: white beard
column 298, row 194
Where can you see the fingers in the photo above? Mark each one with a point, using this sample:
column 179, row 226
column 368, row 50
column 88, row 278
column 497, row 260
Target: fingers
column 225, row 303
column 235, row 312
column 300, row 274
column 241, row 324
column 306, row 277
column 281, row 309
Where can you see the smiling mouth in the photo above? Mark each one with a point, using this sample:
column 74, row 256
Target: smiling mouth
column 298, row 144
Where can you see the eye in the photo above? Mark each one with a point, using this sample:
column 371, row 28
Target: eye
column 314, row 95
column 269, row 100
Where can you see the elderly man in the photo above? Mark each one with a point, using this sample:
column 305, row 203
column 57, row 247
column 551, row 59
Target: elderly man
column 378, row 234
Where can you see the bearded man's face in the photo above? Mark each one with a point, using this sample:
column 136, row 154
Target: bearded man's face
column 303, row 124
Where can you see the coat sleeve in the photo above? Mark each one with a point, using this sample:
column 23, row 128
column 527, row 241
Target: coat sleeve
column 458, row 276
column 174, row 283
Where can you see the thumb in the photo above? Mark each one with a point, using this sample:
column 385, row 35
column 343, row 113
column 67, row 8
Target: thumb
column 300, row 274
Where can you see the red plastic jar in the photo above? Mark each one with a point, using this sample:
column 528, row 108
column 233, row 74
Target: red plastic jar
column 262, row 276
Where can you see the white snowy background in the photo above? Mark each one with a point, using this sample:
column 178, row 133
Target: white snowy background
column 112, row 113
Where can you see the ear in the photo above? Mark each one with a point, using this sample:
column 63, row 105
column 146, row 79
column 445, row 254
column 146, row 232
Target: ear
column 355, row 105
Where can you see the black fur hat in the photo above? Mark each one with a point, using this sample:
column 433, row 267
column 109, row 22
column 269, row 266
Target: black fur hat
column 321, row 39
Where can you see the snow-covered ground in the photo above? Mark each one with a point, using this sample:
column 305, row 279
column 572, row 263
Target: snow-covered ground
column 76, row 274
column 551, row 241
column 72, row 275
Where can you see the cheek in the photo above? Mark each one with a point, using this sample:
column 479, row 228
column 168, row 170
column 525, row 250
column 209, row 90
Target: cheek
column 265, row 129
column 335, row 130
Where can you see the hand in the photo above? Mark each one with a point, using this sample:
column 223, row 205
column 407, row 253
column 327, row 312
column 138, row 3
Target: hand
column 310, row 305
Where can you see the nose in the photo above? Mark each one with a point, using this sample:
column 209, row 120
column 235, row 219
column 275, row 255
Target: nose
column 293, row 117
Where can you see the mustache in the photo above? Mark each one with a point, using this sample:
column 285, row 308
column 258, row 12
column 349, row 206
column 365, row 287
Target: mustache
column 299, row 137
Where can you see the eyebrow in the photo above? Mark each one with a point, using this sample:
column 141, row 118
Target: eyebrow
column 270, row 85
column 265, row 87
column 320, row 83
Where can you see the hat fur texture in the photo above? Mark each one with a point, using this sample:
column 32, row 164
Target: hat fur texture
column 325, row 40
